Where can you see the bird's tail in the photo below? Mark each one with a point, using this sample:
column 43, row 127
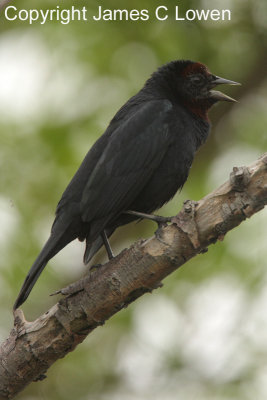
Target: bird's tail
column 53, row 245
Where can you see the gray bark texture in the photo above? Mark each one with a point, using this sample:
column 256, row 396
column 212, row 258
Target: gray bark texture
column 32, row 347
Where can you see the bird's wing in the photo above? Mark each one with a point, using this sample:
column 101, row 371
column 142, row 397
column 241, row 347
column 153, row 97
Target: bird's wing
column 133, row 153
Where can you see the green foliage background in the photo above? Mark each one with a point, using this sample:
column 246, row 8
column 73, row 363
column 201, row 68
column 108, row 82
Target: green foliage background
column 203, row 336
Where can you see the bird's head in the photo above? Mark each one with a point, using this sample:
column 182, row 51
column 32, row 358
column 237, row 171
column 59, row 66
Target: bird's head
column 197, row 83
column 192, row 84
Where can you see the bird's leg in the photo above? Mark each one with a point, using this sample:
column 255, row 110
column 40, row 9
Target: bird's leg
column 107, row 245
column 161, row 221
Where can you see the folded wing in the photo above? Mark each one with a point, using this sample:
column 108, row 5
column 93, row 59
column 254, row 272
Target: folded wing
column 132, row 155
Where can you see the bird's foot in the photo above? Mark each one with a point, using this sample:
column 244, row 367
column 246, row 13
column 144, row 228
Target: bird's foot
column 107, row 245
column 161, row 221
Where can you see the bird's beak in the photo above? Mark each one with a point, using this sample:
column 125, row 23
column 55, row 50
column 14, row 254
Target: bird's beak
column 221, row 81
column 215, row 94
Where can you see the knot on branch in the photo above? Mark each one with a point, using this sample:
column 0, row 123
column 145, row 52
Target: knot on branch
column 21, row 325
column 185, row 220
column 239, row 178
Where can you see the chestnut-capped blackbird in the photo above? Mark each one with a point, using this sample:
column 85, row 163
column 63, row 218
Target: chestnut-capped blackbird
column 138, row 164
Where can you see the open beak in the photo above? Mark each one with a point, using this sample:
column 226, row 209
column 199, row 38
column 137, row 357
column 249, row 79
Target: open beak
column 215, row 94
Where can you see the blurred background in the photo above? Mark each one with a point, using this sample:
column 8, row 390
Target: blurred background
column 203, row 335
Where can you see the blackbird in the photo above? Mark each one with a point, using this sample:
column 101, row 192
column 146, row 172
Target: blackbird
column 138, row 164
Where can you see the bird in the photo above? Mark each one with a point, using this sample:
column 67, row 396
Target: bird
column 138, row 164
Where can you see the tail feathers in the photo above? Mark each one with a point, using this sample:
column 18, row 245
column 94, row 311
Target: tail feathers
column 93, row 247
column 51, row 248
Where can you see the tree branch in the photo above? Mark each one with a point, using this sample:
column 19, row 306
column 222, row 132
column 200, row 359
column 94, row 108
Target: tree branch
column 33, row 347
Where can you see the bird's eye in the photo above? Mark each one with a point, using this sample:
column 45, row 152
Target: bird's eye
column 196, row 79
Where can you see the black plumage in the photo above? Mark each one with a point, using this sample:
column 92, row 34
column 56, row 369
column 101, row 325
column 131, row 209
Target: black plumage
column 138, row 164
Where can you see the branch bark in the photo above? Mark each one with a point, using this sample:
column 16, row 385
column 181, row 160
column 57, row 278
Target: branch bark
column 32, row 347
